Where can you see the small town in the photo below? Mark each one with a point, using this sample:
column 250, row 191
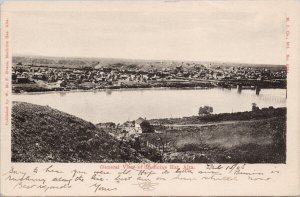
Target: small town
column 40, row 77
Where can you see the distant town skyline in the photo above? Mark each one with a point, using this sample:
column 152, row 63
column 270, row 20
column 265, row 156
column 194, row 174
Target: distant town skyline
column 153, row 30
column 105, row 59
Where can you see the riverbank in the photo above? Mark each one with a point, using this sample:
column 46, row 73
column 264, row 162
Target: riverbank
column 36, row 89
column 113, row 89
column 263, row 113
column 243, row 137
column 41, row 86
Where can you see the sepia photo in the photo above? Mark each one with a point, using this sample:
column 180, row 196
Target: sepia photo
column 167, row 87
column 122, row 97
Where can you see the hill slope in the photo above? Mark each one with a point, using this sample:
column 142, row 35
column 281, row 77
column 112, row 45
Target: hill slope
column 43, row 134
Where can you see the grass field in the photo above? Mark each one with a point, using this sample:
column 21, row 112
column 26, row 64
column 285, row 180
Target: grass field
column 254, row 141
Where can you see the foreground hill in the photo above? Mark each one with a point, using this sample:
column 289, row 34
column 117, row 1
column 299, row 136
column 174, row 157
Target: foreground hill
column 43, row 134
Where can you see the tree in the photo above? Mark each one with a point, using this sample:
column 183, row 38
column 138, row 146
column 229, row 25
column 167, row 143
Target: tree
column 205, row 110
column 255, row 107
column 147, row 127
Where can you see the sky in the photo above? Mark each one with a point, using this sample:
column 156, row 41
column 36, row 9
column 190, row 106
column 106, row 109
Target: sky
column 197, row 31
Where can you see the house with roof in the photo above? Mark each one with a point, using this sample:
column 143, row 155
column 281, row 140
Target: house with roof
column 137, row 124
column 143, row 126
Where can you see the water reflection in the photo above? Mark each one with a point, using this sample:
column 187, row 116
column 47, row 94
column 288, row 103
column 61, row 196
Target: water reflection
column 62, row 94
column 239, row 89
column 108, row 92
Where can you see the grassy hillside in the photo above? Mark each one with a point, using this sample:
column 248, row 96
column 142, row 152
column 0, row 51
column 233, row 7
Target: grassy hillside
column 260, row 140
column 43, row 134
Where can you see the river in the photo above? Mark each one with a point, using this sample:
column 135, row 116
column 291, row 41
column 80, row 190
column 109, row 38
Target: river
column 122, row 105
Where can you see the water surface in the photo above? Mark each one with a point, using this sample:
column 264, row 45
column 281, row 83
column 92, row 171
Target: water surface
column 122, row 105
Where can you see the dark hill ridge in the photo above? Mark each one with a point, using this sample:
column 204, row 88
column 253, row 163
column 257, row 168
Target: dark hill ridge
column 43, row 134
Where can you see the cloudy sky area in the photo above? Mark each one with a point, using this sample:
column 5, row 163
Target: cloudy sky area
column 153, row 30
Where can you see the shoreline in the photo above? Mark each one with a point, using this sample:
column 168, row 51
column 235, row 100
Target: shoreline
column 129, row 89
column 118, row 89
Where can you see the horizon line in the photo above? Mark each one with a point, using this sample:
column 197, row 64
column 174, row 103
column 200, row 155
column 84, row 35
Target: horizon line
column 128, row 59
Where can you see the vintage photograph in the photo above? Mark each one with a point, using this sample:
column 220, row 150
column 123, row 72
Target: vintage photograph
column 159, row 84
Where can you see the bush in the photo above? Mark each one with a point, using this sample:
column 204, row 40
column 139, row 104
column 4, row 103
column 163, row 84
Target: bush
column 205, row 110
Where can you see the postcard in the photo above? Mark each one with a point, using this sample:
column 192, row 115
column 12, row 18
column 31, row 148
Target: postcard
column 150, row 98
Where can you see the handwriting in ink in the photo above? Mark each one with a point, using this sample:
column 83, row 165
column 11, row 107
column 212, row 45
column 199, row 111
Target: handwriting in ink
column 50, row 169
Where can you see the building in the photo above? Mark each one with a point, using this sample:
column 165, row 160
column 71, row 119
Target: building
column 137, row 124
column 143, row 126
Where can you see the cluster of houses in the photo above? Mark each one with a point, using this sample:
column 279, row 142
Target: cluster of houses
column 129, row 128
column 131, row 132
column 250, row 73
column 116, row 76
